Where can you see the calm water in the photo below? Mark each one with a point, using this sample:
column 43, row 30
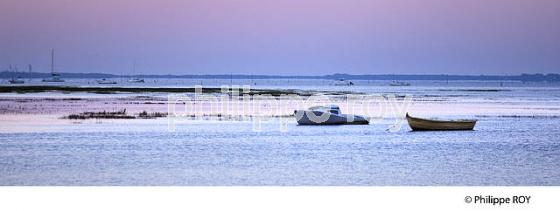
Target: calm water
column 501, row 151
column 507, row 151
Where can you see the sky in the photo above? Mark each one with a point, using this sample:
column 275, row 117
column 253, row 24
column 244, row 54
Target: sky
column 283, row 37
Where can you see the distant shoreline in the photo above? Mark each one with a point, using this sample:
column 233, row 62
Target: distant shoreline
column 552, row 77
column 113, row 90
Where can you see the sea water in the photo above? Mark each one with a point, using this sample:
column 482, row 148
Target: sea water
column 504, row 148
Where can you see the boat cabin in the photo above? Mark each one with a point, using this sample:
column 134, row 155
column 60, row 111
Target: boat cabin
column 333, row 109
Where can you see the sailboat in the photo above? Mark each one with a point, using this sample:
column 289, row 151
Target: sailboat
column 15, row 80
column 55, row 77
column 136, row 79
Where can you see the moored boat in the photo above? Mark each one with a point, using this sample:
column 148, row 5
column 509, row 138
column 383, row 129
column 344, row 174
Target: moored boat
column 420, row 124
column 105, row 81
column 16, row 81
column 55, row 77
column 399, row 83
column 136, row 79
column 327, row 115
column 343, row 82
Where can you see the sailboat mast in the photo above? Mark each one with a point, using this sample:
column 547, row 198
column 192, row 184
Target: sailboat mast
column 52, row 60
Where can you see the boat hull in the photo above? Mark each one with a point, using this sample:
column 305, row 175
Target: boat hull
column 419, row 124
column 53, row 80
column 16, row 82
column 308, row 117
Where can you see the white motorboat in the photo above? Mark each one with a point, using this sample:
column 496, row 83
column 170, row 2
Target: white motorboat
column 327, row 115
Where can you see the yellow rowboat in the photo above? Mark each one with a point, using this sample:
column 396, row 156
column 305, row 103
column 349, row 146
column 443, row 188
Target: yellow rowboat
column 419, row 124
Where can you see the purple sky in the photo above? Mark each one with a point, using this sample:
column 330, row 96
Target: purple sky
column 283, row 37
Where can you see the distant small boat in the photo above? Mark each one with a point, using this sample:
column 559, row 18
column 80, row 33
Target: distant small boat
column 399, row 83
column 419, row 124
column 136, row 80
column 343, row 82
column 105, row 81
column 55, row 77
column 16, row 81
column 314, row 116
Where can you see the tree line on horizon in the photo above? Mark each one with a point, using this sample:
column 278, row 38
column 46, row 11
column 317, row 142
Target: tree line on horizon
column 538, row 77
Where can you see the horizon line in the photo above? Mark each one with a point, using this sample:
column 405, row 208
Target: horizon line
column 284, row 76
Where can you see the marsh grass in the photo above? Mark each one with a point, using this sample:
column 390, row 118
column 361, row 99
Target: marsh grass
column 121, row 114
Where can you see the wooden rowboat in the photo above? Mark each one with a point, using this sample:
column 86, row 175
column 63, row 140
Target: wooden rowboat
column 419, row 124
